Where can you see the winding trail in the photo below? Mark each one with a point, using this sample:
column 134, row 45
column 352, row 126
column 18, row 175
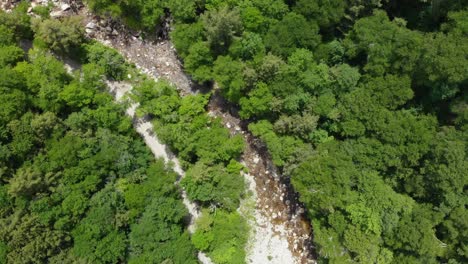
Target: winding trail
column 280, row 232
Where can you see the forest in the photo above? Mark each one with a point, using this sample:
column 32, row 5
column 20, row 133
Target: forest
column 77, row 184
column 362, row 105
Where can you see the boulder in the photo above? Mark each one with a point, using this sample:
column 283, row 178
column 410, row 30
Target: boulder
column 91, row 25
column 65, row 7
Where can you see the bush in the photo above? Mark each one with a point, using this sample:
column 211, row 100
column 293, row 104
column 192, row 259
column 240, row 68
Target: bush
column 109, row 59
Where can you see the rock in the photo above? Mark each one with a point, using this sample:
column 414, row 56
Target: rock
column 91, row 25
column 89, row 31
column 56, row 14
column 108, row 29
column 115, row 33
column 65, row 7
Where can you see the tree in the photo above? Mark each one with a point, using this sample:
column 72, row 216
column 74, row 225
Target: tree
column 386, row 46
column 228, row 73
column 13, row 103
column 225, row 235
column 298, row 125
column 7, row 36
column 221, row 26
column 10, row 55
column 185, row 35
column 248, row 46
column 281, row 148
column 199, row 62
column 78, row 94
column 158, row 99
column 60, row 36
column 97, row 237
column 158, row 235
column 443, row 65
column 257, row 103
column 183, row 10
column 106, row 7
column 325, row 13
column 31, row 241
column 109, row 59
column 292, row 32
column 18, row 20
column 45, row 76
column 214, row 185
column 253, row 19
column 151, row 13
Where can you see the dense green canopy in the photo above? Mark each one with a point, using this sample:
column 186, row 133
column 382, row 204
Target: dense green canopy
column 362, row 104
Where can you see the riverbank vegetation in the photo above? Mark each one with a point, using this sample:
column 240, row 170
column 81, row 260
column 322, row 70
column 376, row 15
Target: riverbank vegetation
column 362, row 103
column 208, row 153
column 77, row 184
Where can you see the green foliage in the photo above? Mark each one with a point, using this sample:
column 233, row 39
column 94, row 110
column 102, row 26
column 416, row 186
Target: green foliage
column 76, row 184
column 370, row 125
column 9, row 55
column 45, row 76
column 199, row 61
column 18, row 21
column 292, row 32
column 139, row 14
column 183, row 10
column 228, row 73
column 183, row 125
column 110, row 60
column 281, row 148
column 108, row 7
column 222, row 235
column 258, row 102
column 221, row 26
column 387, row 45
column 248, row 46
column 213, row 177
column 59, row 36
column 184, row 35
column 325, row 13
column 443, row 65
column 7, row 35
column 214, row 184
column 79, row 94
column 158, row 237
